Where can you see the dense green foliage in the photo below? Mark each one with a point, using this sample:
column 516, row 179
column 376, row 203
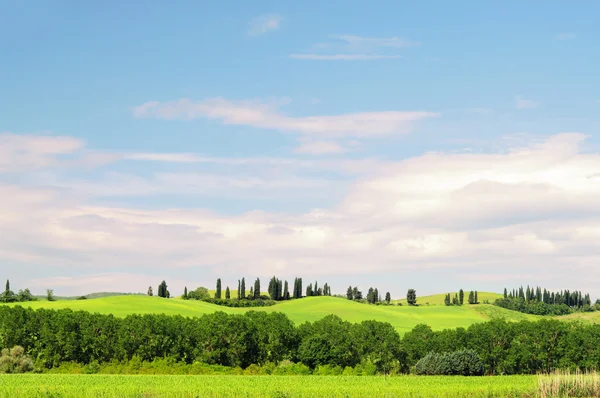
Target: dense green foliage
column 462, row 363
column 540, row 301
column 15, row 360
column 54, row 337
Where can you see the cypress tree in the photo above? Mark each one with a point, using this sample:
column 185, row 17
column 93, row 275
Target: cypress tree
column 185, row 293
column 316, row 289
column 257, row 288
column 388, row 297
column 150, row 291
column 447, row 299
column 218, row 291
column 461, row 296
column 239, row 289
column 505, row 293
column 370, row 293
column 243, row 294
column 476, row 301
column 299, row 287
column 162, row 290
column 227, row 293
column 251, row 295
column 286, row 293
column 376, row 295
column 471, row 297
column 349, row 293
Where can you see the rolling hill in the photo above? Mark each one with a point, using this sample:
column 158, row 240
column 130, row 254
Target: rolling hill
column 403, row 318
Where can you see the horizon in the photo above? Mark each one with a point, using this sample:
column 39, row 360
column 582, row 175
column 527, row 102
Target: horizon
column 397, row 146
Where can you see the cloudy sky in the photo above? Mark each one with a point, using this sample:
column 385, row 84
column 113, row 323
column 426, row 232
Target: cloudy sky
column 429, row 145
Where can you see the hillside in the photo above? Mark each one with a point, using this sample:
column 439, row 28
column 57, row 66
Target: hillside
column 403, row 318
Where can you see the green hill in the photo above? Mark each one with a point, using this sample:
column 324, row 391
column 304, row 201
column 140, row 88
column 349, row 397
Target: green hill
column 403, row 318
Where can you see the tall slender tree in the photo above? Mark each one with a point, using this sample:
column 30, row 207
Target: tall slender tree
column 218, row 291
column 257, row 288
column 243, row 289
column 227, row 293
column 388, row 297
column 185, row 293
column 286, row 291
column 150, row 291
column 349, row 293
column 461, row 296
column 239, row 289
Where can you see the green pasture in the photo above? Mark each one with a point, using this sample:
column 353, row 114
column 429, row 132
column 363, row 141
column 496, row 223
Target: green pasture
column 403, row 318
column 82, row 386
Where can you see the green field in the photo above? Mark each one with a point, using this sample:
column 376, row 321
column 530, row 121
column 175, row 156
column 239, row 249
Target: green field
column 403, row 318
column 265, row 386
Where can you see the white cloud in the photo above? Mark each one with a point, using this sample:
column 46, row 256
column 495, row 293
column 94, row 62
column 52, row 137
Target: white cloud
column 565, row 36
column 267, row 115
column 529, row 208
column 355, row 48
column 19, row 152
column 320, row 148
column 264, row 24
column 522, row 103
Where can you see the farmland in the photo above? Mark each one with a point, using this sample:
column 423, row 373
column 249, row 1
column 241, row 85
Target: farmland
column 403, row 318
column 264, row 386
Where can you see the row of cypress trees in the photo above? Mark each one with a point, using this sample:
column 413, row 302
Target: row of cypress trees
column 459, row 298
column 573, row 299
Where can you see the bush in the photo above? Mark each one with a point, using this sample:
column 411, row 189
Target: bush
column 462, row 363
column 242, row 303
column 15, row 360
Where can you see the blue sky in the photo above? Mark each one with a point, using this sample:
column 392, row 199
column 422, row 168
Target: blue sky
column 344, row 141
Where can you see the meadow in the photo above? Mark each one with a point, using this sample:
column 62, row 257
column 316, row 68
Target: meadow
column 402, row 318
column 265, row 386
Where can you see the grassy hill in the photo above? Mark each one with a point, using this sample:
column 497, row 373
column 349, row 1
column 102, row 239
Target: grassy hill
column 403, row 318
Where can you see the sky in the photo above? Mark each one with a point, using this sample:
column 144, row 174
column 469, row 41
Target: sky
column 430, row 145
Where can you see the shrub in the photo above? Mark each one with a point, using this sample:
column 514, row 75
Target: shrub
column 15, row 360
column 462, row 362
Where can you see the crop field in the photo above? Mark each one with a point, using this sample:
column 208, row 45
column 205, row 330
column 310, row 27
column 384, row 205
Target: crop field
column 265, row 386
column 403, row 318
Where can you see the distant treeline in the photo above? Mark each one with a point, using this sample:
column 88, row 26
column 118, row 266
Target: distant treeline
column 459, row 298
column 373, row 296
column 277, row 290
column 55, row 337
column 544, row 302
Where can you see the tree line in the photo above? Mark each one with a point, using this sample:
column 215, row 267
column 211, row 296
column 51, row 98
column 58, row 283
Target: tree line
column 8, row 296
column 459, row 298
column 277, row 290
column 545, row 302
column 55, row 337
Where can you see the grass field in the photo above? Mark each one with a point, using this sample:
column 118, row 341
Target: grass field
column 403, row 318
column 265, row 386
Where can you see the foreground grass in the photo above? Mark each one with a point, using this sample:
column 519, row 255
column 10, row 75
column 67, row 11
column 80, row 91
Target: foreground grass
column 265, row 386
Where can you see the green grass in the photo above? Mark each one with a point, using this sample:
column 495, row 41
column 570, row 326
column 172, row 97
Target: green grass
column 265, row 386
column 403, row 318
